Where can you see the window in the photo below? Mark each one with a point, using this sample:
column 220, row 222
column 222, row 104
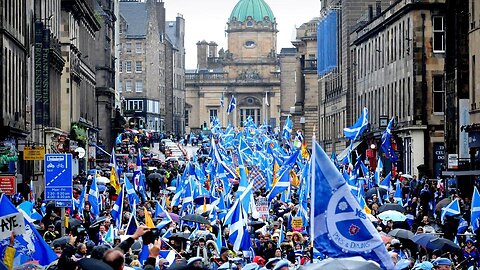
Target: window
column 135, row 105
column 128, row 85
column 128, row 66
column 186, row 117
column 213, row 113
column 138, row 48
column 438, row 34
column 120, row 86
column 128, row 47
column 438, row 94
column 138, row 66
column 138, row 86
column 120, row 66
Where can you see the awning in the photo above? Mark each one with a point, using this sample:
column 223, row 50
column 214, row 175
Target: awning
column 347, row 150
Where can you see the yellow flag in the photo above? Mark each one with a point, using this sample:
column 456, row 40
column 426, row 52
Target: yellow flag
column 275, row 171
column 66, row 221
column 148, row 219
column 305, row 153
column 114, row 180
column 367, row 210
column 295, row 181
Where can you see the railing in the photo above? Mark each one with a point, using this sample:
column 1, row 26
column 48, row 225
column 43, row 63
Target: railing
column 310, row 65
column 205, row 76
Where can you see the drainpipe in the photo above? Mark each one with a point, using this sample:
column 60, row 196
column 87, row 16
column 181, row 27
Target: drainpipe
column 424, row 116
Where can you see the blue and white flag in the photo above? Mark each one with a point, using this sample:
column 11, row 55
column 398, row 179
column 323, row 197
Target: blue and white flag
column 284, row 177
column 378, row 171
column 287, row 129
column 387, row 142
column 232, row 105
column 29, row 212
column 462, row 226
column 94, row 197
column 452, row 209
column 117, row 211
column 111, row 234
column 118, row 140
column 398, row 196
column 160, row 212
column 386, row 182
column 339, row 226
column 475, row 210
column 29, row 245
column 222, row 100
column 131, row 193
column 239, row 235
column 168, row 255
column 355, row 131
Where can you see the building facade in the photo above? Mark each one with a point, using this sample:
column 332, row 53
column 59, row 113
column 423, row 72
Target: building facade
column 142, row 64
column 248, row 70
column 399, row 72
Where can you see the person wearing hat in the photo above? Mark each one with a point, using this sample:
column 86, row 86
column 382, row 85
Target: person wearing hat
column 282, row 265
column 271, row 263
column 442, row 264
column 470, row 253
column 50, row 234
column 288, row 237
column 195, row 262
column 224, row 257
column 397, row 248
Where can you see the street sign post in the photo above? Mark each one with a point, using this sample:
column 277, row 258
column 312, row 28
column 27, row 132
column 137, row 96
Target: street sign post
column 58, row 179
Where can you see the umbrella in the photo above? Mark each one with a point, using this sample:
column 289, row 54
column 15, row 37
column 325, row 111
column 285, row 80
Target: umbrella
column 200, row 209
column 406, row 176
column 372, row 218
column 174, row 216
column 72, row 222
column 195, row 218
column 391, row 206
column 179, row 235
column 442, row 244
column 227, row 266
column 256, row 224
column 423, row 238
column 98, row 221
column 375, row 191
column 392, row 215
column 441, row 204
column 154, row 176
column 401, row 233
column 357, row 263
column 102, row 180
column 61, row 241
column 29, row 266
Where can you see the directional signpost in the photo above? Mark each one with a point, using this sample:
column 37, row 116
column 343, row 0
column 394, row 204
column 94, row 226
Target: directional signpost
column 58, row 179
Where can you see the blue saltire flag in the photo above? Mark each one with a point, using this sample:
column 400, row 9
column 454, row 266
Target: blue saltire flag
column 29, row 211
column 81, row 203
column 387, row 142
column 138, row 170
column 284, row 177
column 219, row 241
column 287, row 129
column 94, row 197
column 131, row 193
column 29, row 245
column 378, row 171
column 462, row 226
column 410, row 219
column 354, row 132
column 111, row 234
column 168, row 255
column 398, row 196
column 239, row 235
column 117, row 211
column 386, row 182
column 245, row 150
column 339, row 226
column 143, row 255
column 118, row 140
column 243, row 183
column 160, row 212
column 232, row 105
column 141, row 187
column 452, row 209
column 475, row 210
column 132, row 225
column 281, row 237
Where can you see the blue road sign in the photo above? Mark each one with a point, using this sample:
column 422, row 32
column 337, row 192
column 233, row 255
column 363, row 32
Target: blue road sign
column 58, row 178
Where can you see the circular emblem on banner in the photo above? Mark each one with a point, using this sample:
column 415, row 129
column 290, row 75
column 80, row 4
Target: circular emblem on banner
column 348, row 225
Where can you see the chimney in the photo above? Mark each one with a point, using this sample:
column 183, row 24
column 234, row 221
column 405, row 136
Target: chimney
column 378, row 7
column 370, row 13
column 212, row 49
column 202, row 54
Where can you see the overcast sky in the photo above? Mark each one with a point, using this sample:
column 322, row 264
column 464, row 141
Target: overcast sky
column 206, row 19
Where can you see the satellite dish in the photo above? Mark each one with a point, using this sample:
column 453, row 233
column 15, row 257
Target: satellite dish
column 80, row 151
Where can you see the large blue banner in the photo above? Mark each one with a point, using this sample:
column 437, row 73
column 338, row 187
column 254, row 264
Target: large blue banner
column 327, row 43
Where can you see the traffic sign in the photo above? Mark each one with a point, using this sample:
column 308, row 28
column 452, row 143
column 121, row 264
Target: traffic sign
column 58, row 177
column 30, row 153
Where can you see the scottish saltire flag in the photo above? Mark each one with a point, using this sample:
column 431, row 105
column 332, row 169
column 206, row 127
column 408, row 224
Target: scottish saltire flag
column 287, row 129
column 168, row 255
column 239, row 235
column 462, row 226
column 117, row 211
column 339, row 226
column 94, row 197
column 475, row 210
column 131, row 193
column 132, row 225
column 29, row 212
column 81, row 203
column 219, row 241
column 111, row 234
column 222, row 100
column 232, row 105
column 387, row 142
column 352, row 133
column 118, row 140
column 284, row 177
column 398, row 196
column 452, row 209
column 160, row 212
column 386, row 182
column 29, row 245
column 138, row 170
column 378, row 171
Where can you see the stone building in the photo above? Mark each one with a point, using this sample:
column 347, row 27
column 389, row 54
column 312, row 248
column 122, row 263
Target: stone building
column 290, row 85
column 399, row 58
column 247, row 70
column 175, row 76
column 338, row 18
column 142, row 63
column 306, row 101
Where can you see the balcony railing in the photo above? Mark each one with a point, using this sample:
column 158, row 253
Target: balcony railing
column 205, row 76
column 310, row 65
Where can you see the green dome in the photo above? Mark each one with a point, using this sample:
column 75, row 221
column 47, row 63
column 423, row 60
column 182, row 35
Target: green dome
column 257, row 9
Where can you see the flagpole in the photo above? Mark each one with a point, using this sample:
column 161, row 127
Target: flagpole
column 312, row 193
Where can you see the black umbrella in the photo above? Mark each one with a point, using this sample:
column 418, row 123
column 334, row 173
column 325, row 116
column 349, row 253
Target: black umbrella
column 401, row 233
column 179, row 235
column 442, row 244
column 195, row 218
column 72, row 223
column 391, row 206
column 98, row 221
column 61, row 241
column 154, row 176
column 375, row 191
column 423, row 238
column 441, row 204
column 256, row 224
